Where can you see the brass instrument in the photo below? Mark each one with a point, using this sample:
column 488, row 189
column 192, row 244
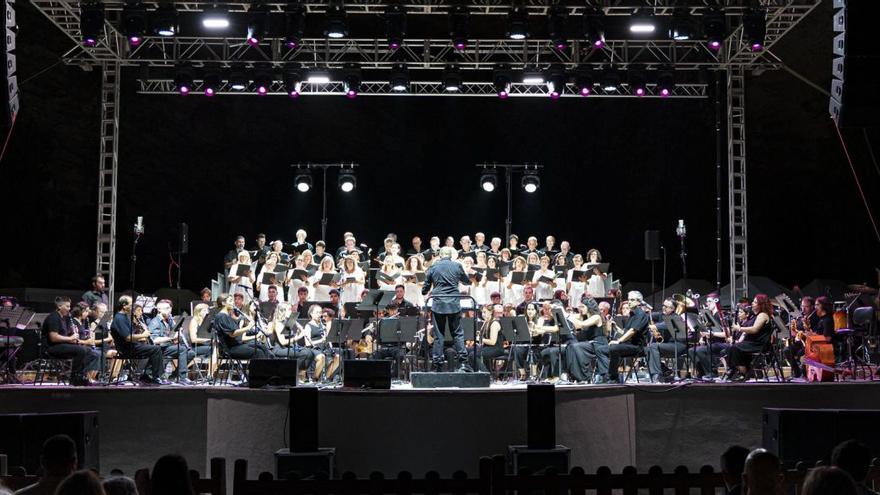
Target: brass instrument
column 684, row 304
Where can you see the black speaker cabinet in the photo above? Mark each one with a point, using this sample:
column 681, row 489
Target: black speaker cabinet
column 24, row 434
column 272, row 373
column 304, row 418
column 541, row 416
column 855, row 101
column 652, row 245
column 359, row 373
column 810, row 434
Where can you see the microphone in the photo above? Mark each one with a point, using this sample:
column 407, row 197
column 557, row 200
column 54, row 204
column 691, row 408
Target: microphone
column 139, row 226
column 681, row 230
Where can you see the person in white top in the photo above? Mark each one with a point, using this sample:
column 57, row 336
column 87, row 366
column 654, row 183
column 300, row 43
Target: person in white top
column 479, row 291
column 412, row 287
column 533, row 259
column 513, row 293
column 243, row 284
column 576, row 288
column 390, row 269
column 269, row 267
column 322, row 292
column 395, row 255
column 596, row 282
column 544, row 290
column 351, row 289
column 468, row 264
column 492, row 286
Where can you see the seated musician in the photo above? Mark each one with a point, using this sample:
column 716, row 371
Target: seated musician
column 312, row 337
column 200, row 341
column 416, row 248
column 542, row 326
column 161, row 329
column 79, row 324
column 400, row 300
column 331, row 353
column 818, row 322
column 664, row 341
column 590, row 343
column 235, row 335
column 96, row 314
column 718, row 339
column 292, row 347
column 528, row 297
column 300, row 307
column 754, row 338
column 267, row 307
column 386, row 350
column 633, row 339
column 491, row 342
column 62, row 342
column 131, row 342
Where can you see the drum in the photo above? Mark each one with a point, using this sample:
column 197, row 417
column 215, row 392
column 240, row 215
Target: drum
column 839, row 319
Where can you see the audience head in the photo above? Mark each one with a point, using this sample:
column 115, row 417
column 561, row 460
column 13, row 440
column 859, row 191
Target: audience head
column 170, row 476
column 762, row 474
column 853, row 457
column 827, row 480
column 84, row 482
column 58, row 456
column 120, row 485
column 733, row 462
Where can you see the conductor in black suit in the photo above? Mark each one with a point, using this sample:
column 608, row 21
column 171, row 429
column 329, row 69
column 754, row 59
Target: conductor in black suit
column 442, row 281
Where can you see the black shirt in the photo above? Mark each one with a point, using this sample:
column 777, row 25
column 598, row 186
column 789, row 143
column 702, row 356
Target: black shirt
column 225, row 326
column 297, row 248
column 638, row 321
column 521, row 308
column 825, row 326
column 470, row 254
column 231, row 256
column 54, row 323
column 267, row 309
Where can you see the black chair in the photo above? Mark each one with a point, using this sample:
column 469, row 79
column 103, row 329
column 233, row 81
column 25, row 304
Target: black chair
column 232, row 364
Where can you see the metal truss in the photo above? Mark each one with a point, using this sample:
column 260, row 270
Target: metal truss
column 379, row 88
column 105, row 263
column 736, row 185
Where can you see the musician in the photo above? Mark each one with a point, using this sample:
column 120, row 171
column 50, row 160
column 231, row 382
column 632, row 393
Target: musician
column 319, row 326
column 79, row 324
column 283, row 347
column 544, row 288
column 495, row 298
column 334, row 303
column 480, row 242
column 531, row 247
column 442, row 280
column 96, row 314
column 416, row 247
column 513, row 246
column 663, row 341
column 467, row 263
column 549, row 248
column 515, row 293
column 301, row 244
column 241, row 283
column 232, row 255
column 449, row 242
column 634, row 338
column 391, row 276
column 412, row 287
column 322, row 292
column 590, row 343
column 270, row 270
column 528, row 298
column 506, row 257
column 161, row 330
column 97, row 294
column 200, row 340
column 596, row 282
column 386, row 251
column 541, row 327
column 551, row 354
column 808, row 312
column 61, row 341
column 576, row 286
column 466, row 251
column 824, row 325
column 267, row 307
column 479, row 291
column 754, row 338
column 294, row 281
column 491, row 342
column 533, row 261
column 236, row 335
column 717, row 337
column 131, row 341
column 494, row 247
column 352, row 283
column 395, row 255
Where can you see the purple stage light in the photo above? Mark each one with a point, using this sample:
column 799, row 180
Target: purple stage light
column 209, row 92
column 184, row 90
column 134, row 40
column 757, row 47
column 293, row 94
column 560, row 46
column 351, row 94
column 394, row 45
column 503, row 94
column 640, row 91
column 459, row 46
column 664, row 92
column 554, row 95
column 253, row 41
column 715, row 44
column 585, row 91
column 598, row 44
column 291, row 44
column 262, row 90
column 90, row 42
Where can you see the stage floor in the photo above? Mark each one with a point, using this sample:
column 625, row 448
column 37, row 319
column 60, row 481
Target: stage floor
column 434, row 429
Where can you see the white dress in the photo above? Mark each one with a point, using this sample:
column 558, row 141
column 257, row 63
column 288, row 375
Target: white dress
column 413, row 293
column 544, row 290
column 234, row 287
column 596, row 286
column 293, row 290
column 264, row 288
column 577, row 289
column 480, row 293
column 351, row 293
column 513, row 295
column 322, row 292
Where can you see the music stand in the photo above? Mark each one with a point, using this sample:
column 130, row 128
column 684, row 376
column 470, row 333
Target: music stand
column 676, row 326
column 13, row 318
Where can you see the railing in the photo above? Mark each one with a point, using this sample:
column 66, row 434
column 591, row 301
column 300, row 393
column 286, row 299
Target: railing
column 215, row 484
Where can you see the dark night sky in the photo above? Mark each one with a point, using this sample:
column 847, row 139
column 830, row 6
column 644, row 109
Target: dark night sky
column 613, row 168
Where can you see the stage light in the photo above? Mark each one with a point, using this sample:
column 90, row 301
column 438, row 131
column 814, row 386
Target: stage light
column 637, row 82
column 318, row 76
column 183, row 79
column 164, row 20
column 134, row 22
column 665, row 82
column 556, row 81
column 459, row 19
column 352, row 81
column 215, row 17
column 395, row 25
column 610, row 80
column 294, row 26
column 642, row 23
column 714, row 27
column 530, row 181
column 347, row 180
column 583, row 79
column 211, row 82
column 556, row 27
column 501, row 79
column 754, row 23
column 683, row 27
column 293, row 82
column 258, row 19
column 399, row 79
column 303, row 181
column 452, row 78
column 489, row 179
column 91, row 23
column 238, row 79
column 594, row 27
column 336, row 25
column 518, row 23
column 533, row 77
column 263, row 81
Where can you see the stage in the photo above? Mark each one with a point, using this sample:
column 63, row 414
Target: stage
column 440, row 429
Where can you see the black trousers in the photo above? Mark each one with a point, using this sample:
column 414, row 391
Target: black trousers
column 551, row 357
column 487, row 355
column 742, row 352
column 579, row 356
column 389, row 352
column 617, row 351
column 82, row 356
column 247, row 351
column 152, row 353
column 303, row 356
column 452, row 321
column 793, row 354
column 700, row 357
column 654, row 352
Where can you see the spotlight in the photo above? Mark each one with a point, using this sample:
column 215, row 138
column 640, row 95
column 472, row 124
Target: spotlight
column 347, row 181
column 293, row 82
column 682, row 27
column 211, row 82
column 237, row 79
column 165, row 20
column 637, row 82
column 352, row 81
column 556, row 81
column 395, row 25
column 642, row 23
column 489, row 179
column 91, row 23
column 258, row 19
column 714, row 27
column 183, row 79
column 336, row 25
column 610, row 80
column 530, row 181
column 399, row 79
column 533, row 77
column 318, row 76
column 584, row 82
column 501, row 79
column 303, row 181
column 665, row 82
column 215, row 17
column 263, row 81
column 556, row 27
column 294, row 26
column 459, row 19
column 452, row 78
column 754, row 23
column 518, row 23
column 134, row 22
column 594, row 27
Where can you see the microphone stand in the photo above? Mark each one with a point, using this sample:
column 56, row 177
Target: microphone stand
column 138, row 231
column 681, row 231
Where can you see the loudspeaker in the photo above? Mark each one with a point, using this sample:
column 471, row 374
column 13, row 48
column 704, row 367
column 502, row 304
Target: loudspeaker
column 541, row 416
column 450, row 380
column 9, row 69
column 359, row 373
column 303, row 405
column 535, row 461
column 652, row 245
column 24, row 434
column 183, row 238
column 854, row 98
column 272, row 372
column 784, row 432
column 305, row 464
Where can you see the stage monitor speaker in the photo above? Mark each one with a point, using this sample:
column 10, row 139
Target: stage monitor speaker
column 652, row 245
column 272, row 373
column 450, row 380
column 360, row 373
column 301, row 465
column 183, row 238
column 783, row 432
column 24, row 434
column 303, row 405
column 855, row 101
column 541, row 416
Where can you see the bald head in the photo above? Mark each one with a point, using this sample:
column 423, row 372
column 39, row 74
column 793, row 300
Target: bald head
column 762, row 475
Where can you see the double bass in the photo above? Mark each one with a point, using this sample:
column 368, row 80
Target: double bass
column 818, row 354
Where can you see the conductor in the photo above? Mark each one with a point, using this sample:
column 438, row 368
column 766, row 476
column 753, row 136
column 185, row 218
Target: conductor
column 442, row 281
